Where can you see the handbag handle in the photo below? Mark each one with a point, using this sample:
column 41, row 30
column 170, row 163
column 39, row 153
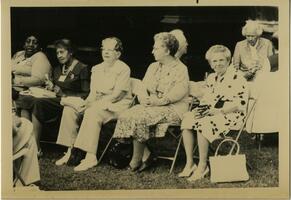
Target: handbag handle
column 228, row 140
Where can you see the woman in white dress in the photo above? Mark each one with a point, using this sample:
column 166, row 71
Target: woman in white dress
column 222, row 106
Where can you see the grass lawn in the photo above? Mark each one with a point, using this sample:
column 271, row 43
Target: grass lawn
column 264, row 172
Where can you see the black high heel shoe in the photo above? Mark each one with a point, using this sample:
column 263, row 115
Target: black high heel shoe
column 134, row 168
column 76, row 156
column 149, row 162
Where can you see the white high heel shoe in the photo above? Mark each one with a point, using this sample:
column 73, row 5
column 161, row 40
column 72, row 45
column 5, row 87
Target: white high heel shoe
column 198, row 175
column 63, row 160
column 187, row 172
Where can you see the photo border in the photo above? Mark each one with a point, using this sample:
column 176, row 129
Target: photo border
column 277, row 192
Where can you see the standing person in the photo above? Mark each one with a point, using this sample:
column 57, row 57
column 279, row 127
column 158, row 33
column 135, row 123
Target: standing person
column 110, row 94
column 163, row 99
column 222, row 106
column 29, row 67
column 71, row 78
column 265, row 117
column 250, row 55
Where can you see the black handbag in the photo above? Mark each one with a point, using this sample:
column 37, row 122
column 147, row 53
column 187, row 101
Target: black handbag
column 119, row 154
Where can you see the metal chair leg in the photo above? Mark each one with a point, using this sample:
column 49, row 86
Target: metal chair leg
column 176, row 154
column 260, row 141
column 105, row 149
column 18, row 176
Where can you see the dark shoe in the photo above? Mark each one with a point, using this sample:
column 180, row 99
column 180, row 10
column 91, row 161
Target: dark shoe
column 76, row 156
column 132, row 169
column 148, row 163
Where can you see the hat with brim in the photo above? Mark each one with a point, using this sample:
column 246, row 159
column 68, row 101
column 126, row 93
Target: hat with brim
column 23, row 135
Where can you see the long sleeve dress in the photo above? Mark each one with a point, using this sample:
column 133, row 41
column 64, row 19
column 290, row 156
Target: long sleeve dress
column 76, row 83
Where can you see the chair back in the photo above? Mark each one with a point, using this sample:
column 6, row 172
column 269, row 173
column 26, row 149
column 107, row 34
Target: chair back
column 196, row 89
column 195, row 92
column 135, row 87
column 135, row 84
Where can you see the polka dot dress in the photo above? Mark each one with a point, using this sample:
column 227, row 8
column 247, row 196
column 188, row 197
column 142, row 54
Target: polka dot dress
column 225, row 92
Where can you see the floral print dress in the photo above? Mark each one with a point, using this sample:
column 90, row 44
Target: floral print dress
column 221, row 92
column 144, row 122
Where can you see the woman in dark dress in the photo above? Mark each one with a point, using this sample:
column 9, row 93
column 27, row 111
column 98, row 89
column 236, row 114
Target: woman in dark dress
column 71, row 78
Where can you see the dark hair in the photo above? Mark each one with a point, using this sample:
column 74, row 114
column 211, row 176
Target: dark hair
column 64, row 43
column 34, row 34
column 118, row 45
column 169, row 40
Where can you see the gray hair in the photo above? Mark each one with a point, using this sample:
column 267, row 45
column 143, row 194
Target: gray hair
column 218, row 49
column 252, row 25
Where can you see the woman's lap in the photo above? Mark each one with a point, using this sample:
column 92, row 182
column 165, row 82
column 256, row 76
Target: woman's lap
column 25, row 102
column 47, row 108
column 136, row 122
column 211, row 127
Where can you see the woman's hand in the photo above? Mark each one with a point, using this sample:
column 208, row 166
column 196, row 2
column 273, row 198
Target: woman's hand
column 196, row 114
column 48, row 83
column 56, row 89
column 144, row 101
column 212, row 111
column 87, row 104
column 17, row 81
column 154, row 101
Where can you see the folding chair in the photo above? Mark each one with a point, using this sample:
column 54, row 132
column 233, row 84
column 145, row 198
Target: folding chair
column 20, row 148
column 135, row 83
column 195, row 92
column 258, row 136
column 18, row 157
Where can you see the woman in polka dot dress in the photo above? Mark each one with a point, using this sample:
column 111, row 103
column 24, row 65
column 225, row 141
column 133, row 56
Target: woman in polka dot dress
column 222, row 107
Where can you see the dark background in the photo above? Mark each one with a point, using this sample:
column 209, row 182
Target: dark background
column 135, row 26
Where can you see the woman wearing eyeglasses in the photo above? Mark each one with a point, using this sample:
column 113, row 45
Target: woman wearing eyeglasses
column 110, row 94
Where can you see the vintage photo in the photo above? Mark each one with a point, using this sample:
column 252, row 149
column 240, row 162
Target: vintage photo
column 133, row 98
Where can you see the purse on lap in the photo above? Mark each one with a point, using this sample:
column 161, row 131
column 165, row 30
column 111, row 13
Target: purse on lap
column 228, row 168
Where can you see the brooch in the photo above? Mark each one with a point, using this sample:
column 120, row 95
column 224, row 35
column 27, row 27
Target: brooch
column 72, row 76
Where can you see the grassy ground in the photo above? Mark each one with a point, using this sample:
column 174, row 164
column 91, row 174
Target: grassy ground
column 264, row 172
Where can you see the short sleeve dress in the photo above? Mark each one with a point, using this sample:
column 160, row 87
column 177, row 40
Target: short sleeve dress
column 224, row 92
column 144, row 122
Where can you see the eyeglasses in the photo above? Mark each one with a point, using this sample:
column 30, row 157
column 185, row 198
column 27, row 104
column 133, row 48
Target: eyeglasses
column 111, row 50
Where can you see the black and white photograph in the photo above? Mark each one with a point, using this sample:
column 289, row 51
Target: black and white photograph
column 150, row 99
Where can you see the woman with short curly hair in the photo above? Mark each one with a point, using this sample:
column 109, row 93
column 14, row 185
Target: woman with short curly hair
column 222, row 107
column 163, row 99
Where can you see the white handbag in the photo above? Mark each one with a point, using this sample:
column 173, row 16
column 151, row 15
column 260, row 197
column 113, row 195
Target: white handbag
column 228, row 168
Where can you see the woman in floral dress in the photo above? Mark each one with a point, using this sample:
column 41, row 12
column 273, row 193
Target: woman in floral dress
column 163, row 100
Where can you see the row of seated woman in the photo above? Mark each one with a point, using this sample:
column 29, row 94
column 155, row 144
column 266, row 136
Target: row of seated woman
column 163, row 97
